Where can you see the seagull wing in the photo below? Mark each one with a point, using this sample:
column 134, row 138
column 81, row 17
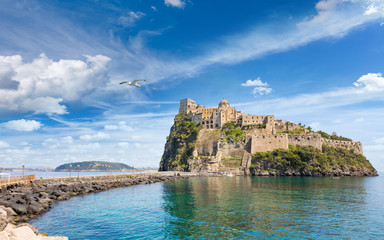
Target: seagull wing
column 125, row 82
column 139, row 80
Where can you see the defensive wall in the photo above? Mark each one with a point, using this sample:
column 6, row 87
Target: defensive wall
column 268, row 142
column 313, row 140
column 356, row 146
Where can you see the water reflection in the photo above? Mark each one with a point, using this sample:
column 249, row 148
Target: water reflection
column 251, row 207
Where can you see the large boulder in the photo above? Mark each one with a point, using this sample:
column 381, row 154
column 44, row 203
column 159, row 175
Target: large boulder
column 20, row 209
column 35, row 208
column 23, row 233
column 35, row 231
column 10, row 211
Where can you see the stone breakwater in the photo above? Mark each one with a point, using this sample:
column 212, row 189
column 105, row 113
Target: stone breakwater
column 21, row 202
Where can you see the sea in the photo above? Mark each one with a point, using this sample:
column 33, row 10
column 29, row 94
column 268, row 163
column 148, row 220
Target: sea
column 226, row 208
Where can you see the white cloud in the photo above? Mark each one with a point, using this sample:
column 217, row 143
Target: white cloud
column 3, row 144
column 371, row 9
column 122, row 125
column 54, row 143
column 379, row 140
column 123, row 144
column 111, row 127
column 23, row 125
column 175, row 3
column 43, row 84
column 261, row 88
column 130, row 19
column 262, row 91
column 94, row 137
column 47, row 105
column 254, row 83
column 371, row 82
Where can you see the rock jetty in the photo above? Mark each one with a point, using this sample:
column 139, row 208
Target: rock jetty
column 21, row 202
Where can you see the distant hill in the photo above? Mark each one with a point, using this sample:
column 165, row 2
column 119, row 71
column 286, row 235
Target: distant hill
column 96, row 166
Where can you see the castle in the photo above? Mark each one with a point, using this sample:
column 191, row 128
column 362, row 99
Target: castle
column 211, row 117
column 270, row 134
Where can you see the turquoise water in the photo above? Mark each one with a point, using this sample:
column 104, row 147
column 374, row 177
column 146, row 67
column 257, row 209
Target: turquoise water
column 226, row 208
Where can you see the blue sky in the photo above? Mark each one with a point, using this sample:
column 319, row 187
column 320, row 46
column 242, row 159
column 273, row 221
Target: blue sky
column 319, row 63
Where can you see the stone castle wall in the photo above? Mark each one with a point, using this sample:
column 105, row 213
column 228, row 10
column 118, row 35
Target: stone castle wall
column 268, row 142
column 356, row 146
column 313, row 140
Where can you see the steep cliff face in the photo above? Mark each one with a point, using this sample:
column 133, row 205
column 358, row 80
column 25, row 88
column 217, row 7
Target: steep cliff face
column 309, row 161
column 180, row 144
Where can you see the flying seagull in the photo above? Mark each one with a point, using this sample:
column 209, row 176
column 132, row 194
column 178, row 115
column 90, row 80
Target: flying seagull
column 133, row 83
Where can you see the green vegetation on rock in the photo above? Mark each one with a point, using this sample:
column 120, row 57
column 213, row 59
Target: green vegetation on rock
column 233, row 162
column 333, row 136
column 309, row 161
column 97, row 166
column 180, row 144
column 232, row 132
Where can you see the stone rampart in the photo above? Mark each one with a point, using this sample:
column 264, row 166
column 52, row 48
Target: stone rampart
column 313, row 140
column 356, row 146
column 268, row 142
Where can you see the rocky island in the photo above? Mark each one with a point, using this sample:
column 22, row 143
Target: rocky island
column 221, row 139
column 93, row 166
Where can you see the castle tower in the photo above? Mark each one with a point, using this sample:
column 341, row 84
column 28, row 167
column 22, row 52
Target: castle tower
column 226, row 113
column 186, row 105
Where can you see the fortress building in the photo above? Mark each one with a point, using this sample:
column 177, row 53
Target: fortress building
column 229, row 141
column 265, row 133
column 214, row 118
